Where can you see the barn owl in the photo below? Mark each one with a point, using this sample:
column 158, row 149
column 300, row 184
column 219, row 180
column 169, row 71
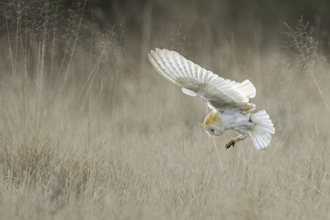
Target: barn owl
column 228, row 100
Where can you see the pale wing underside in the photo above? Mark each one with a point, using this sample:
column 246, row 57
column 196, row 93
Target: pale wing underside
column 197, row 81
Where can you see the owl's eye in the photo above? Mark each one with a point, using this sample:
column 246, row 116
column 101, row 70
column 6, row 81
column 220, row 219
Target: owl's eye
column 212, row 130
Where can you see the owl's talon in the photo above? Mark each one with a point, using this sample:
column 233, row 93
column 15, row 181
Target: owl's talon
column 230, row 143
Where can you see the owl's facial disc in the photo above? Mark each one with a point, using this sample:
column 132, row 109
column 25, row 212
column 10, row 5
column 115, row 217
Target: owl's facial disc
column 213, row 130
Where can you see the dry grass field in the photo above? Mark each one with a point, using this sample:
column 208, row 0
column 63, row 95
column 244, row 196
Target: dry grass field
column 89, row 132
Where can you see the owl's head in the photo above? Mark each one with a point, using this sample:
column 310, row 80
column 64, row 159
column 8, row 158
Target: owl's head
column 212, row 124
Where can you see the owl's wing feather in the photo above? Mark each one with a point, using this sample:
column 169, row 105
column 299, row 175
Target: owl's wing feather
column 197, row 81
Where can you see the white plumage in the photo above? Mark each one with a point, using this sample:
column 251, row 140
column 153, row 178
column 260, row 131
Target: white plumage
column 228, row 99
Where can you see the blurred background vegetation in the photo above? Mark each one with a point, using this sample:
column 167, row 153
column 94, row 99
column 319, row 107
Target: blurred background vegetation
column 251, row 24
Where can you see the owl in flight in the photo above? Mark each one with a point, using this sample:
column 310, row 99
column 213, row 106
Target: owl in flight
column 229, row 100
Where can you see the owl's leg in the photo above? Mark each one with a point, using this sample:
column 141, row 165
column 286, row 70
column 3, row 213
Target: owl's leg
column 235, row 139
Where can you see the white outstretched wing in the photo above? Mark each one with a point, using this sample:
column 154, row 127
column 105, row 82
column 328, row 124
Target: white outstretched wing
column 197, row 81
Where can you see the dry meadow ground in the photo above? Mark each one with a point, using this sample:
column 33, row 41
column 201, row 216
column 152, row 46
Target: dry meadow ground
column 88, row 132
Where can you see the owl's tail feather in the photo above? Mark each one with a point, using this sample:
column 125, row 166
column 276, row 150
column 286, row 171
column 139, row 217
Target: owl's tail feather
column 262, row 129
